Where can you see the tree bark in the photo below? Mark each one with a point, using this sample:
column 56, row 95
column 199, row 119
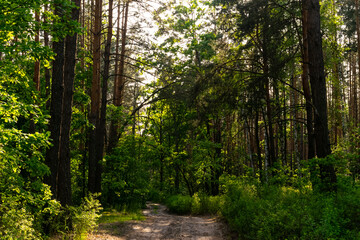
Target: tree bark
column 53, row 153
column 217, row 166
column 37, row 63
column 358, row 49
column 101, row 129
column 64, row 175
column 258, row 149
column 119, row 81
column 318, row 87
column 95, row 101
column 47, row 71
column 306, row 85
column 269, row 115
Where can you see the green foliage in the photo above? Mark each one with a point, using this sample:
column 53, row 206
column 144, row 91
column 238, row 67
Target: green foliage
column 26, row 208
column 273, row 212
column 85, row 217
column 156, row 195
column 22, row 215
column 125, row 181
column 112, row 216
column 25, row 202
column 203, row 204
column 198, row 204
column 76, row 222
column 179, row 204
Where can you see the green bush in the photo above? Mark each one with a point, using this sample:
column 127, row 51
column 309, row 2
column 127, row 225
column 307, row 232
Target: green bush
column 199, row 204
column 85, row 216
column 125, row 183
column 204, row 204
column 155, row 195
column 75, row 222
column 179, row 204
column 273, row 212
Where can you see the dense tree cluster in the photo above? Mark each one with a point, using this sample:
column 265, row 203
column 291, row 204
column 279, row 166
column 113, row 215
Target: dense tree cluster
column 138, row 100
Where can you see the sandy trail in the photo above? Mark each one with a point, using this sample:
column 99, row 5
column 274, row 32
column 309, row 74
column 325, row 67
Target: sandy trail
column 159, row 224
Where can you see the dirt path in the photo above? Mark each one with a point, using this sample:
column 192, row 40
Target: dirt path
column 159, row 224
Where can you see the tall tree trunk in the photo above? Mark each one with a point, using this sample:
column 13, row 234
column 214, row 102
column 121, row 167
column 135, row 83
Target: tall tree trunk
column 64, row 175
column 53, row 153
column 265, row 52
column 258, row 149
column 283, row 134
column 36, row 77
column 95, row 100
column 358, row 49
column 119, row 80
column 296, row 128
column 306, row 85
column 101, row 129
column 47, row 71
column 318, row 87
column 113, row 126
column 248, row 141
column 37, row 63
column 354, row 91
column 217, row 166
column 162, row 154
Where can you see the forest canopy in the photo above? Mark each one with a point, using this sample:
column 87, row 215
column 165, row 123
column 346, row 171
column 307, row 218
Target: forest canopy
column 245, row 109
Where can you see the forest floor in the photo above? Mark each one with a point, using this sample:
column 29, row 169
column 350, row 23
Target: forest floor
column 159, row 224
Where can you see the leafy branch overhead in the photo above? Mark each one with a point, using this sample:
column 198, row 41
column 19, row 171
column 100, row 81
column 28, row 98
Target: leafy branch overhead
column 245, row 109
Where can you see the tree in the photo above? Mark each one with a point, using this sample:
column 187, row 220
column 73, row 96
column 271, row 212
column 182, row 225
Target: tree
column 306, row 85
column 119, row 83
column 57, row 88
column 64, row 176
column 94, row 179
column 23, row 195
column 58, row 156
column 318, row 87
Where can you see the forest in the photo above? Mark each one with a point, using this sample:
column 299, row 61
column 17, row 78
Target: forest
column 248, row 110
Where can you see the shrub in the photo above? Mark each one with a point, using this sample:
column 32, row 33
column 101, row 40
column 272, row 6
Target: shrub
column 179, row 204
column 273, row 212
column 204, row 204
column 198, row 204
column 155, row 195
column 76, row 222
column 85, row 216
column 125, row 183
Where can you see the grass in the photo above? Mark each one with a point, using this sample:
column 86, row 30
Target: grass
column 113, row 216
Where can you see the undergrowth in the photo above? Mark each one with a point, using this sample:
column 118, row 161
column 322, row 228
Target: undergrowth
column 198, row 204
column 77, row 222
column 274, row 212
column 112, row 216
column 258, row 211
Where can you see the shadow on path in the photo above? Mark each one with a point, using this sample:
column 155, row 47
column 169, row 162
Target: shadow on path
column 160, row 224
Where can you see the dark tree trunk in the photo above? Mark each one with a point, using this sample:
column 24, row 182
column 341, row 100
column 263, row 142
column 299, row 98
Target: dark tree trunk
column 318, row 87
column 47, row 71
column 53, row 153
column 258, row 149
column 217, row 167
column 306, row 87
column 101, row 129
column 162, row 155
column 269, row 115
column 95, row 102
column 37, row 63
column 358, row 48
column 64, row 175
